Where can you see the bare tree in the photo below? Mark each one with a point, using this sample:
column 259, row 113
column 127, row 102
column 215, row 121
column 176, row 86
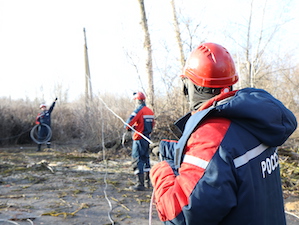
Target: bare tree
column 254, row 66
column 178, row 34
column 148, row 49
column 131, row 60
column 181, row 50
column 60, row 93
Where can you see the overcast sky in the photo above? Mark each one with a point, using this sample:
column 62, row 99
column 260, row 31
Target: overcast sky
column 42, row 42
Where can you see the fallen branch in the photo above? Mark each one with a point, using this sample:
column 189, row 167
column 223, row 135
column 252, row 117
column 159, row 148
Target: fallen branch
column 42, row 163
column 12, row 196
column 122, row 205
column 65, row 214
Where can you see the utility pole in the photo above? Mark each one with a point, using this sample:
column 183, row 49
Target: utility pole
column 88, row 89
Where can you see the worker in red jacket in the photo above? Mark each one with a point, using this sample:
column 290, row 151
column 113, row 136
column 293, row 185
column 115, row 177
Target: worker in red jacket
column 142, row 121
column 224, row 170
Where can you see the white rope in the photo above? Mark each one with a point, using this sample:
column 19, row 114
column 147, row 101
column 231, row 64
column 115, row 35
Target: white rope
column 89, row 80
column 150, row 214
column 87, row 76
column 152, row 198
column 30, row 221
column 105, row 177
column 149, row 141
column 146, row 138
column 292, row 214
column 8, row 221
column 103, row 145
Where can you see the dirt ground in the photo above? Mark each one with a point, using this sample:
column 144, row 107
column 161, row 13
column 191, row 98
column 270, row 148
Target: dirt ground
column 62, row 186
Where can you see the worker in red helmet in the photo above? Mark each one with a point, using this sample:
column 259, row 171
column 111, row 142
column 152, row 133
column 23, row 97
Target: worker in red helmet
column 224, row 169
column 44, row 117
column 142, row 121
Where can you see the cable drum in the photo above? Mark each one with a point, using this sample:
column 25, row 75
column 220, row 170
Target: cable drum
column 41, row 133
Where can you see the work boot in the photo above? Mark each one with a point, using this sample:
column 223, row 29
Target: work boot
column 38, row 147
column 147, row 182
column 139, row 186
column 49, row 145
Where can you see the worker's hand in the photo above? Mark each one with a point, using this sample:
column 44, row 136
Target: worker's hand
column 56, row 99
column 167, row 149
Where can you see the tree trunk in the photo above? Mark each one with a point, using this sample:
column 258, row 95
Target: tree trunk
column 181, row 51
column 148, row 49
column 178, row 35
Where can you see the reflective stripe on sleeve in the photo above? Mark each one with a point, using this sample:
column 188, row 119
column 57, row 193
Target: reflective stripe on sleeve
column 148, row 116
column 196, row 161
column 251, row 154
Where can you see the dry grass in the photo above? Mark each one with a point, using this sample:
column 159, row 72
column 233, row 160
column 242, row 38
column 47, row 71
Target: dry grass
column 75, row 123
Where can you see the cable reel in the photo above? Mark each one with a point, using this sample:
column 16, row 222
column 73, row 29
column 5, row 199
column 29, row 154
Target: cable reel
column 34, row 133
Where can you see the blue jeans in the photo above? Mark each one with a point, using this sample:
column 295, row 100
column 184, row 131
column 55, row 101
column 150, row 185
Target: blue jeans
column 42, row 133
column 140, row 156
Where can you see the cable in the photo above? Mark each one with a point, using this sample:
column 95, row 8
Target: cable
column 146, row 138
column 152, row 198
column 8, row 221
column 123, row 140
column 151, row 209
column 18, row 135
column 30, row 221
column 105, row 177
column 34, row 133
column 292, row 214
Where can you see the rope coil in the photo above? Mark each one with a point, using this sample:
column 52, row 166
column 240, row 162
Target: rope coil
column 34, row 133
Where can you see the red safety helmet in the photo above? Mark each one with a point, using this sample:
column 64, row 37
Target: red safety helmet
column 210, row 65
column 139, row 96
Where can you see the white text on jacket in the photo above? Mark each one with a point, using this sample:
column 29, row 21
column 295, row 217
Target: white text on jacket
column 269, row 164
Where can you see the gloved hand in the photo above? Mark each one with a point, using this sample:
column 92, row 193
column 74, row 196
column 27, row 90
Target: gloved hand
column 56, row 99
column 167, row 149
column 127, row 128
